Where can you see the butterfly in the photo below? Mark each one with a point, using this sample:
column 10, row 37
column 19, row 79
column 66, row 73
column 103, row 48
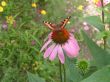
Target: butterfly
column 57, row 26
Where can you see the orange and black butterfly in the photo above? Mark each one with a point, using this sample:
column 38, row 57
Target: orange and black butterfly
column 57, row 26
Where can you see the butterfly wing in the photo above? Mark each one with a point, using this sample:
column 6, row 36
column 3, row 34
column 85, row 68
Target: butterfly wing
column 50, row 25
column 65, row 21
column 56, row 27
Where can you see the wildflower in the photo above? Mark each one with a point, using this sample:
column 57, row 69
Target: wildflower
column 4, row 26
column 98, row 2
column 3, row 3
column 60, row 41
column 34, row 5
column 10, row 19
column 33, row 42
column 43, row 12
column 86, row 27
column 80, row 7
column 95, row 1
column 1, row 9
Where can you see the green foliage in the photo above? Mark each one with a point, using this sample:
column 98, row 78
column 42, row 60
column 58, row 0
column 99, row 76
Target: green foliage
column 95, row 21
column 20, row 43
column 103, row 34
column 100, row 56
column 34, row 78
column 73, row 75
column 106, row 11
column 102, row 75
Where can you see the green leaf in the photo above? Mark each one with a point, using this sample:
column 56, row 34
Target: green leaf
column 102, row 75
column 100, row 56
column 33, row 23
column 100, row 35
column 34, row 78
column 95, row 21
column 103, row 34
column 108, row 41
column 36, row 1
column 72, row 72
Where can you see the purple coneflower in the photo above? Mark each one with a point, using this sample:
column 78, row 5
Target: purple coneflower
column 60, row 41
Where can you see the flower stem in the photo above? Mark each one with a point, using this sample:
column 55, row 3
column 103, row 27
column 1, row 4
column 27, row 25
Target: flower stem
column 103, row 21
column 64, row 73
column 102, row 11
column 60, row 71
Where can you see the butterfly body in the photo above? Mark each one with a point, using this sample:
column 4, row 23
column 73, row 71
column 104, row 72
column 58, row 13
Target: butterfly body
column 59, row 33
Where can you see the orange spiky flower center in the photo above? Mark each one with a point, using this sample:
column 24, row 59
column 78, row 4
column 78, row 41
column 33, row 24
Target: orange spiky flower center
column 60, row 36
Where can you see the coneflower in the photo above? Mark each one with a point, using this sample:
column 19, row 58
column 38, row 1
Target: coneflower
column 60, row 41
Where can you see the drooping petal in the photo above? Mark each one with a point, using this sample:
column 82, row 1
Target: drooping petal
column 73, row 48
column 73, row 40
column 48, row 37
column 68, row 50
column 61, row 54
column 54, row 53
column 49, row 51
column 76, row 45
column 46, row 44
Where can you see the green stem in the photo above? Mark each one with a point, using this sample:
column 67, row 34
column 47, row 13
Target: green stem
column 64, row 73
column 103, row 21
column 60, row 71
column 104, row 42
column 102, row 11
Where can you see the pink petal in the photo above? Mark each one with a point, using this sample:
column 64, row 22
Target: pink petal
column 99, row 4
column 67, row 49
column 61, row 54
column 49, row 36
column 48, row 51
column 75, row 43
column 74, row 48
column 71, row 35
column 86, row 28
column 46, row 44
column 54, row 53
column 105, row 3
